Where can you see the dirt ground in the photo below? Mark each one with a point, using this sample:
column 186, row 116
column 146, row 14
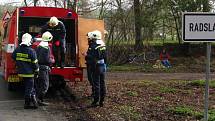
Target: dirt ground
column 140, row 96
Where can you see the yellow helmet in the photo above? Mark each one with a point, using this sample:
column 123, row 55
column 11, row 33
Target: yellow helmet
column 26, row 39
column 47, row 36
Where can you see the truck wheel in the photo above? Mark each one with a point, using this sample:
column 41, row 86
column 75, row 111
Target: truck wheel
column 57, row 82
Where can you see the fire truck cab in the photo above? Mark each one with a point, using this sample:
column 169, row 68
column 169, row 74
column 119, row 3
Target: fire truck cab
column 30, row 20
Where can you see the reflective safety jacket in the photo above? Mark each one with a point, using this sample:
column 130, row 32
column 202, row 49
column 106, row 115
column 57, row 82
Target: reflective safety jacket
column 101, row 54
column 43, row 55
column 90, row 57
column 26, row 61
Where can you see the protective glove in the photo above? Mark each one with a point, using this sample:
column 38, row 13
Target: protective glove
column 57, row 43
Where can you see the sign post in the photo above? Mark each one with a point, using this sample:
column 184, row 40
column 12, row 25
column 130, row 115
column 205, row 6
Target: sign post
column 207, row 81
column 200, row 27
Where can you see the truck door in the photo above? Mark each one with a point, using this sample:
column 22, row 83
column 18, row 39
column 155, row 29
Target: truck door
column 85, row 26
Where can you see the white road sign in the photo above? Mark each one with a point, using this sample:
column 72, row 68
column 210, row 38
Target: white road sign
column 198, row 27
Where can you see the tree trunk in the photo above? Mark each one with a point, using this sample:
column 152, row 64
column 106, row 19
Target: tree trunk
column 138, row 41
column 35, row 3
column 25, row 3
column 206, row 6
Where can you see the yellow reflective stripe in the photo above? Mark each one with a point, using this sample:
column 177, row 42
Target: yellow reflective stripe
column 26, row 75
column 35, row 61
column 23, row 59
column 22, row 55
column 100, row 47
column 103, row 48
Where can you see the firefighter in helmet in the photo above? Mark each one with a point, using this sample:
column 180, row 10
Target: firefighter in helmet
column 89, row 57
column 45, row 60
column 27, row 66
column 58, row 31
column 100, row 60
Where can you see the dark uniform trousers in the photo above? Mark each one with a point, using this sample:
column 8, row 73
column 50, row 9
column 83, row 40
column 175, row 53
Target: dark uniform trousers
column 99, row 83
column 29, row 87
column 90, row 71
column 42, row 82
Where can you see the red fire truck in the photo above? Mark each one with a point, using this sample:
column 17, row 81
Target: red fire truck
column 30, row 20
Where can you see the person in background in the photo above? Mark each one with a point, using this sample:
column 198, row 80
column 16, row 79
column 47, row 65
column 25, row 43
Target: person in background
column 45, row 60
column 164, row 57
column 58, row 31
column 27, row 67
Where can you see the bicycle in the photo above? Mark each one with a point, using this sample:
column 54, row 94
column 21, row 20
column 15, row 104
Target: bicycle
column 142, row 58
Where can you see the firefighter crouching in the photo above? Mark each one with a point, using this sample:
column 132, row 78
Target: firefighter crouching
column 100, row 59
column 27, row 66
column 45, row 60
column 58, row 31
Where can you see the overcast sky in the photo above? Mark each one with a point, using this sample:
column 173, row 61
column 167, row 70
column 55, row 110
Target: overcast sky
column 10, row 1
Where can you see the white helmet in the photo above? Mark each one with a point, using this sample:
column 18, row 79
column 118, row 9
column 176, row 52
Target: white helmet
column 26, row 39
column 47, row 36
column 97, row 35
column 53, row 21
column 90, row 35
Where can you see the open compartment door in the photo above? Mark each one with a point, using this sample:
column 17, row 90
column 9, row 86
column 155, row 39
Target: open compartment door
column 85, row 26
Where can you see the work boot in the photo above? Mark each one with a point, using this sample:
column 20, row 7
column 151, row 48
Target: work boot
column 94, row 104
column 27, row 104
column 101, row 102
column 41, row 101
column 34, row 101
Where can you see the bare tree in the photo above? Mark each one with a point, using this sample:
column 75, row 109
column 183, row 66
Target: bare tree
column 138, row 41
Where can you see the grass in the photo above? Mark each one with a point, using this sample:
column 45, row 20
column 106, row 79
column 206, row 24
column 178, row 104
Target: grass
column 185, row 111
column 125, row 68
column 129, row 113
column 201, row 83
column 132, row 93
column 167, row 90
column 157, row 98
column 188, row 111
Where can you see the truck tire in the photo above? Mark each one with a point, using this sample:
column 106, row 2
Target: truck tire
column 57, row 82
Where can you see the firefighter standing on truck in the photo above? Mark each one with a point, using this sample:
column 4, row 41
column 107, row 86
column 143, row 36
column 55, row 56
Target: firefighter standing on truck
column 45, row 60
column 100, row 59
column 27, row 66
column 58, row 31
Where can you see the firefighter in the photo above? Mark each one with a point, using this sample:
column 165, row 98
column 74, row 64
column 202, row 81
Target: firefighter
column 27, row 66
column 100, row 59
column 58, row 31
column 45, row 60
column 89, row 57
